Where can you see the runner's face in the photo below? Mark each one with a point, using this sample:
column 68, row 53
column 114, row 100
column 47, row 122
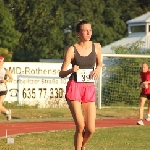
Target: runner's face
column 85, row 32
column 144, row 67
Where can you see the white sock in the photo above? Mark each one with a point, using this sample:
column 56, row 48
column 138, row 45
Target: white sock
column 7, row 112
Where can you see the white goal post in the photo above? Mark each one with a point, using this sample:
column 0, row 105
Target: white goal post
column 132, row 59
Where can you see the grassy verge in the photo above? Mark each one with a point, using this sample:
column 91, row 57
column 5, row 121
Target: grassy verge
column 31, row 113
column 119, row 138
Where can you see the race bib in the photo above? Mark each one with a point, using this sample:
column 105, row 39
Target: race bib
column 83, row 75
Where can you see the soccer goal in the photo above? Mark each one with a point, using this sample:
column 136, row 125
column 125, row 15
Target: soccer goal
column 119, row 79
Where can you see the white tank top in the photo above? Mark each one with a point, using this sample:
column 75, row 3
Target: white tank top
column 2, row 74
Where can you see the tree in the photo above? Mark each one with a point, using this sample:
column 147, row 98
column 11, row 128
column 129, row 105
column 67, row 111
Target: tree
column 47, row 27
column 8, row 35
column 41, row 26
column 6, row 54
column 144, row 4
column 93, row 13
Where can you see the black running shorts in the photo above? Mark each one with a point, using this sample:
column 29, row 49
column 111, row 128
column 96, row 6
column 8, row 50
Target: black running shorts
column 3, row 93
column 145, row 96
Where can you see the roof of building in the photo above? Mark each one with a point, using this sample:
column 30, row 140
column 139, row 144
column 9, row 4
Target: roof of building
column 125, row 41
column 132, row 37
column 141, row 19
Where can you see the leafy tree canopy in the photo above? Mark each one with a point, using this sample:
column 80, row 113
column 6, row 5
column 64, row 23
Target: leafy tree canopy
column 6, row 54
column 47, row 27
column 8, row 35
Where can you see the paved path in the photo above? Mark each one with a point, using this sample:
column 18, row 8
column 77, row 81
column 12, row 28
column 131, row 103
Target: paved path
column 27, row 127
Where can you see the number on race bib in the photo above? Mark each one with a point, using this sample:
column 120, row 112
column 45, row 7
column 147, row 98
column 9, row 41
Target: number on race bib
column 84, row 75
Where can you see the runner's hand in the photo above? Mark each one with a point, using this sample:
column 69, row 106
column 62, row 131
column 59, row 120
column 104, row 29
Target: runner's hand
column 95, row 75
column 75, row 68
column 146, row 82
column 2, row 81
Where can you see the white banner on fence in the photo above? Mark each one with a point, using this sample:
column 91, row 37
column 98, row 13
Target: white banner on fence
column 35, row 82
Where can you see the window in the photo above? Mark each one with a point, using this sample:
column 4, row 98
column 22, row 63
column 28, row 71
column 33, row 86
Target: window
column 140, row 28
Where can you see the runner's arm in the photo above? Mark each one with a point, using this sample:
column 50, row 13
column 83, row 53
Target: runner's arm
column 67, row 60
column 10, row 78
column 148, row 79
column 98, row 57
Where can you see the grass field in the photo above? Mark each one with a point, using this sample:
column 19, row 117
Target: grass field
column 115, row 138
column 63, row 113
column 118, row 138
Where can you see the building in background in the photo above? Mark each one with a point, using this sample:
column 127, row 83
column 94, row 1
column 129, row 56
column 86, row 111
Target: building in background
column 138, row 30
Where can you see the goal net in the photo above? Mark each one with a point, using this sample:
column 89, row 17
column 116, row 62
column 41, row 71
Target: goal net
column 119, row 79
